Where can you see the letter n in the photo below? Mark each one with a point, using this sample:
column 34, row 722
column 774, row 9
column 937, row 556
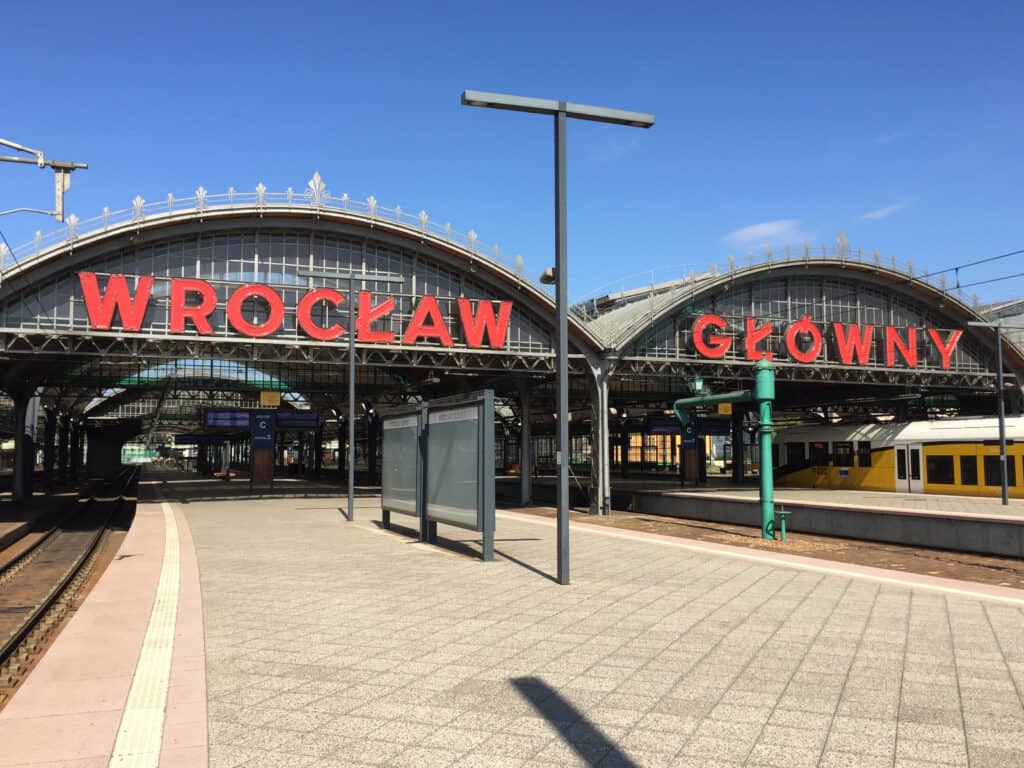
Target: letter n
column 893, row 342
column 101, row 307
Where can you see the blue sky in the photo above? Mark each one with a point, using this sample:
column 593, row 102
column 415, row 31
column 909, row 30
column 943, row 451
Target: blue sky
column 776, row 123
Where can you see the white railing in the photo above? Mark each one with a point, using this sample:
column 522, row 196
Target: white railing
column 314, row 197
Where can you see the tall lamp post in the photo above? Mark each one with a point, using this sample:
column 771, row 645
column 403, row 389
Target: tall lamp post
column 351, row 277
column 560, row 110
column 1000, row 401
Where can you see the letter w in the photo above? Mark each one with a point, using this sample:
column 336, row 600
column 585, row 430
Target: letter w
column 116, row 296
column 474, row 327
column 857, row 341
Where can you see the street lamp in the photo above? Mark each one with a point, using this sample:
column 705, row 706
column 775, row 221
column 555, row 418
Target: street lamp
column 351, row 277
column 560, row 110
column 61, row 176
column 1000, row 400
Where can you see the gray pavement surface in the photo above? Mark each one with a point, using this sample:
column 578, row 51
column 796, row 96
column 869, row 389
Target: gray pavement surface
column 339, row 644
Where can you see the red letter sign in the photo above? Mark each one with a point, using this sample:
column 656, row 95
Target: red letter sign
column 369, row 314
column 197, row 314
column 716, row 345
column 856, row 341
column 803, row 327
column 474, row 327
column 274, row 317
column 418, row 328
column 945, row 349
column 116, row 296
column 908, row 351
column 753, row 338
column 304, row 314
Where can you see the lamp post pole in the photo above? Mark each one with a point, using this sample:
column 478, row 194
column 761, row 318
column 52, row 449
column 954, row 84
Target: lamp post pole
column 1000, row 401
column 351, row 277
column 560, row 110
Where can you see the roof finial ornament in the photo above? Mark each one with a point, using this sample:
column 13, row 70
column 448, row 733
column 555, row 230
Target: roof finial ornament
column 137, row 205
column 423, row 221
column 261, row 194
column 201, row 198
column 72, row 223
column 317, row 190
column 371, row 203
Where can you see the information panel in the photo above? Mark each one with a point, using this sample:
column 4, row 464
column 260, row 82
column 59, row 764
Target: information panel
column 399, row 460
column 453, row 452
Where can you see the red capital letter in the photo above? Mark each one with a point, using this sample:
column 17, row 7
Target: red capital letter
column 418, row 328
column 908, row 351
column 946, row 350
column 199, row 313
column 274, row 317
column 803, row 327
column 851, row 339
column 715, row 345
column 753, row 337
column 116, row 296
column 304, row 314
column 369, row 314
column 474, row 327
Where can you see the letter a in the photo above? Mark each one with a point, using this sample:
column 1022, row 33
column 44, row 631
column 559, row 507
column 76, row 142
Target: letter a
column 116, row 296
column 418, row 326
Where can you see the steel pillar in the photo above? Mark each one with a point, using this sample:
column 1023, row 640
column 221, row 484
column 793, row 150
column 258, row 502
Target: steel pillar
column 525, row 457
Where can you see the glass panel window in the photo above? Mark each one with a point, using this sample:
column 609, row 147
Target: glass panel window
column 915, row 463
column 819, row 454
column 795, row 454
column 939, row 469
column 901, row 463
column 842, row 451
column 864, row 453
column 992, row 471
column 969, row 470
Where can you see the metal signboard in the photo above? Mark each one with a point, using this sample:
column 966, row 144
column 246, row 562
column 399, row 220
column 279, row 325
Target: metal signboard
column 226, row 419
column 400, row 464
column 263, row 430
column 298, row 421
column 460, row 464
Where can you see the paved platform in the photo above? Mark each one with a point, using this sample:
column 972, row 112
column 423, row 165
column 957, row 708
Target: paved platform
column 329, row 643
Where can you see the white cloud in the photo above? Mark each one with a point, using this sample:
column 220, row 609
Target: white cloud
column 882, row 213
column 780, row 231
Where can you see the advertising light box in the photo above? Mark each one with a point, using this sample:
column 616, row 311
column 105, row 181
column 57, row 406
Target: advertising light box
column 399, row 464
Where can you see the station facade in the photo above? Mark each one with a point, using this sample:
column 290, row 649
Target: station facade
column 138, row 322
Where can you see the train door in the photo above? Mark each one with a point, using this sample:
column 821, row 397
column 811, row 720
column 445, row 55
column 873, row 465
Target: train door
column 908, row 468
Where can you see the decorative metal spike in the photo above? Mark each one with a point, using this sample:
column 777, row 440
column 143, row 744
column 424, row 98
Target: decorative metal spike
column 344, row 200
column 398, row 213
column 371, row 203
column 732, row 263
column 137, row 205
column 497, row 252
column 261, row 194
column 423, row 220
column 315, row 189
column 910, row 267
column 201, row 198
column 877, row 257
column 38, row 240
column 807, row 250
column 231, row 195
column 290, row 195
column 519, row 265
column 170, row 201
column 72, row 222
column 750, row 258
column 472, row 239
column 768, row 255
column 942, row 283
column 448, row 230
column 106, row 216
column 4, row 253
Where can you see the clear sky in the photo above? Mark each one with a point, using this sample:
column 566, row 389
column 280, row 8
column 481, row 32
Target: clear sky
column 901, row 124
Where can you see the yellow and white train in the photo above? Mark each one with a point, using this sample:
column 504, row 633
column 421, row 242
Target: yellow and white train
column 953, row 456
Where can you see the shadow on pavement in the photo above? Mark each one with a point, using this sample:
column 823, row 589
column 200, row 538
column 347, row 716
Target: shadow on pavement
column 582, row 736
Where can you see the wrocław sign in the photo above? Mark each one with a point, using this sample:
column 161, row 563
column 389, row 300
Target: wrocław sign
column 192, row 301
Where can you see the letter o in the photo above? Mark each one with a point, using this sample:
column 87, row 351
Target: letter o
column 801, row 327
column 243, row 326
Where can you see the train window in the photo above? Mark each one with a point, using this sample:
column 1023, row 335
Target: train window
column 915, row 463
column 795, row 454
column 842, row 450
column 969, row 470
column 864, row 453
column 939, row 470
column 819, row 454
column 901, row 464
column 992, row 471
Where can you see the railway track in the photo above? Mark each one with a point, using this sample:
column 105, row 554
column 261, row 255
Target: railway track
column 40, row 589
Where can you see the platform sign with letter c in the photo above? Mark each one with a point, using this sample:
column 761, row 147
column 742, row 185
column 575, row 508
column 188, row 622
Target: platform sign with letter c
column 263, row 430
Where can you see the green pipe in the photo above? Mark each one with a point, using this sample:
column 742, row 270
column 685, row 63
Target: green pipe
column 764, row 394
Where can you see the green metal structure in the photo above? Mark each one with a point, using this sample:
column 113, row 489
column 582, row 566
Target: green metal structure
column 763, row 394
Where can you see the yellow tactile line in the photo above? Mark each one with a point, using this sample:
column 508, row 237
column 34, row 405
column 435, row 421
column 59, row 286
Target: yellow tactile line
column 141, row 733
